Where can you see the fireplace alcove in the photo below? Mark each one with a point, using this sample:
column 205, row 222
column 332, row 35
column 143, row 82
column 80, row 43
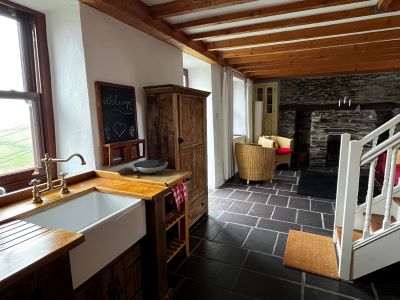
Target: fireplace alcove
column 333, row 150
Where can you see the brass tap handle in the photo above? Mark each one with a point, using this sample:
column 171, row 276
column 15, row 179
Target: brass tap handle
column 35, row 191
column 64, row 188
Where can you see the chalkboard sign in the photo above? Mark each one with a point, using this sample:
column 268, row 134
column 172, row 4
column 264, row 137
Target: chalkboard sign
column 116, row 108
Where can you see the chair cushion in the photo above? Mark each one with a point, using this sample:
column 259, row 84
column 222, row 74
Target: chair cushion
column 268, row 141
column 282, row 151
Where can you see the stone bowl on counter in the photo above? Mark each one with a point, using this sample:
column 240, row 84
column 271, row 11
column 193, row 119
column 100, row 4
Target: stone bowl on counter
column 150, row 166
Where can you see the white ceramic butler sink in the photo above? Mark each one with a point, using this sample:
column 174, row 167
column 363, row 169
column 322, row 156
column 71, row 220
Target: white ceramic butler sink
column 110, row 223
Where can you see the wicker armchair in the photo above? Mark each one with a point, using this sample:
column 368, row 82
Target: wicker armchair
column 278, row 142
column 254, row 162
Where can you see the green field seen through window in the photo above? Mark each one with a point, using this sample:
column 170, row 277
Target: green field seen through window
column 16, row 150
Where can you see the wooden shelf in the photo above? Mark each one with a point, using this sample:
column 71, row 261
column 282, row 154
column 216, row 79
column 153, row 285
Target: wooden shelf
column 174, row 247
column 175, row 219
column 123, row 152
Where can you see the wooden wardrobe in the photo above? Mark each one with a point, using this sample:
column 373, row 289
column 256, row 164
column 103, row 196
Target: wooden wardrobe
column 177, row 132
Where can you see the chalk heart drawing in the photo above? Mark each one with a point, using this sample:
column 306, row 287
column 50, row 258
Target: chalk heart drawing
column 119, row 128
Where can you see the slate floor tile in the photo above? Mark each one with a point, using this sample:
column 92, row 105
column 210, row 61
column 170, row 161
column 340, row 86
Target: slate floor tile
column 281, row 244
column 261, row 210
column 262, row 190
column 234, row 186
column 309, row 218
column 288, row 173
column 193, row 290
column 322, row 206
column 239, row 195
column 210, row 271
column 209, row 228
column 223, row 193
column 388, row 291
column 264, row 287
column 266, row 185
column 220, row 203
column 259, row 198
column 329, row 221
column 224, row 253
column 356, row 289
column 277, row 225
column 240, row 207
column 284, row 214
column 300, row 203
column 261, row 240
column 238, row 219
column 193, row 242
column 278, row 200
column 283, row 186
column 233, row 234
column 214, row 214
column 313, row 294
column 291, row 194
column 270, row 265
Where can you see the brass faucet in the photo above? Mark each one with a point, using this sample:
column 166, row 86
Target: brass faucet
column 47, row 161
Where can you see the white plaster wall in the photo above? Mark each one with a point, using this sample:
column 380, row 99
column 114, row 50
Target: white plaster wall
column 200, row 78
column 69, row 88
column 118, row 53
column 216, row 81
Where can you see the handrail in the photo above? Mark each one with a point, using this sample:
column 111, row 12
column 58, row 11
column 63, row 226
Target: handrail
column 379, row 149
column 377, row 132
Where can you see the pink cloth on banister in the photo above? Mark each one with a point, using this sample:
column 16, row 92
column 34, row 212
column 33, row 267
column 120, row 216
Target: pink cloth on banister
column 380, row 169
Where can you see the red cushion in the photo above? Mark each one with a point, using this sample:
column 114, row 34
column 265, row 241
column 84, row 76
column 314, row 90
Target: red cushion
column 282, row 151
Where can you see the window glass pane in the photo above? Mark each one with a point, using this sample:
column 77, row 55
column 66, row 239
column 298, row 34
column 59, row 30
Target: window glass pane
column 239, row 106
column 11, row 77
column 17, row 132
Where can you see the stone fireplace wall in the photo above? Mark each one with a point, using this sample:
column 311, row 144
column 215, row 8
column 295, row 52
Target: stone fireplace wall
column 324, row 123
column 309, row 110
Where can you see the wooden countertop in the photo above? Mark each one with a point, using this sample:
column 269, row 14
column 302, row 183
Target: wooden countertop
column 25, row 247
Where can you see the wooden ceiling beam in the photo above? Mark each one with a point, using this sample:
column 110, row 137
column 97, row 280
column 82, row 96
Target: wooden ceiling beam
column 379, row 66
column 388, row 5
column 262, row 12
column 325, row 17
column 315, row 32
column 316, row 44
column 325, row 61
column 382, row 47
column 181, row 7
column 137, row 14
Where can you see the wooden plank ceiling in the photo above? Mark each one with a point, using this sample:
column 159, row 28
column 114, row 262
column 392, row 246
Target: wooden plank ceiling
column 273, row 38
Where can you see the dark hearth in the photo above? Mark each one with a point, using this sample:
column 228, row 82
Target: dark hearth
column 333, row 150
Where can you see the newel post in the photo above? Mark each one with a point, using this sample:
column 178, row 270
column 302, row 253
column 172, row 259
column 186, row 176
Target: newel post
column 350, row 205
column 341, row 181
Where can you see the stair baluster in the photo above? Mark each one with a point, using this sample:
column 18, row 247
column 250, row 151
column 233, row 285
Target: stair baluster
column 389, row 195
column 370, row 194
column 387, row 166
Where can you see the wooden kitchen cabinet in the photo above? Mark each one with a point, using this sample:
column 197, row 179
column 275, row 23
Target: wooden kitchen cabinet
column 120, row 280
column 177, row 132
column 52, row 281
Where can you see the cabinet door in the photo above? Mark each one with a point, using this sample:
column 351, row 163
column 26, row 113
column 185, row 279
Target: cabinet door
column 270, row 125
column 270, row 100
column 21, row 290
column 192, row 146
column 106, row 289
column 191, row 121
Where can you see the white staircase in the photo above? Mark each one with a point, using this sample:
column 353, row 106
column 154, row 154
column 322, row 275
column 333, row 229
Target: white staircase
column 367, row 236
